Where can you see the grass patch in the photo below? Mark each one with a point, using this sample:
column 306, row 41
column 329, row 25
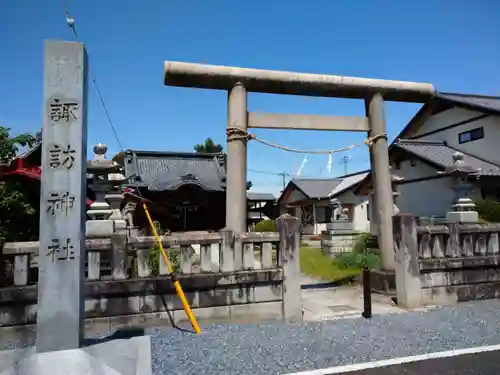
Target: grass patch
column 346, row 265
column 316, row 264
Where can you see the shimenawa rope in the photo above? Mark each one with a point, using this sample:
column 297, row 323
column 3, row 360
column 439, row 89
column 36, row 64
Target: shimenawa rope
column 237, row 133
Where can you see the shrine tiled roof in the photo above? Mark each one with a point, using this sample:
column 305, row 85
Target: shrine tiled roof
column 163, row 171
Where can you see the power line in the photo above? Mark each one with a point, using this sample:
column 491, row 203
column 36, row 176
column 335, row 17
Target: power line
column 268, row 172
column 71, row 23
column 283, row 175
column 280, row 173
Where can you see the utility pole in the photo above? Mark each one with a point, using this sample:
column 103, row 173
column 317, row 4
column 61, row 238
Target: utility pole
column 283, row 177
column 345, row 160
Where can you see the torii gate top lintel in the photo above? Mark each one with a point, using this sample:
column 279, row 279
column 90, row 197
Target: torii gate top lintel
column 219, row 77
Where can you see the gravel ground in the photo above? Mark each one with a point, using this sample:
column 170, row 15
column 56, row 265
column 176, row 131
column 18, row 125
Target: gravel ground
column 283, row 348
column 280, row 348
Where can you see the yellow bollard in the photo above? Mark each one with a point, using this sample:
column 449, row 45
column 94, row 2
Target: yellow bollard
column 177, row 284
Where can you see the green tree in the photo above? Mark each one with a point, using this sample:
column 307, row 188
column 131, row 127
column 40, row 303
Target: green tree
column 14, row 204
column 209, row 147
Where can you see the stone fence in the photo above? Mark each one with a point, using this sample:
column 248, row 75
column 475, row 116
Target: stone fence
column 445, row 263
column 225, row 282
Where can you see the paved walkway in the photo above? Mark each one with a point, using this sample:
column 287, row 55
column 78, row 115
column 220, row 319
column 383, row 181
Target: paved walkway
column 344, row 301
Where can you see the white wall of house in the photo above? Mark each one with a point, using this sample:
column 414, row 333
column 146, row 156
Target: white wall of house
column 445, row 118
column 413, row 169
column 429, row 197
column 486, row 148
column 426, row 198
column 422, row 198
column 358, row 214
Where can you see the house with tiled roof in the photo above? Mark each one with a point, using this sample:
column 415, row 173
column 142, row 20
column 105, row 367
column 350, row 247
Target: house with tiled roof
column 449, row 123
column 309, row 199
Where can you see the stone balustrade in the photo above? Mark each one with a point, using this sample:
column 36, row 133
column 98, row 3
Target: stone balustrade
column 446, row 263
column 225, row 281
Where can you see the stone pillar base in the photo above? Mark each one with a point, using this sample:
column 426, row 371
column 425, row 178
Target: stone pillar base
column 384, row 282
column 462, row 217
column 120, row 356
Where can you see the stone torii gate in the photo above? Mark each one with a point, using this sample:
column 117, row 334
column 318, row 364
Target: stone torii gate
column 239, row 81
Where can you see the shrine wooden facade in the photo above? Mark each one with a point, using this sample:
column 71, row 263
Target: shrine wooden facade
column 186, row 191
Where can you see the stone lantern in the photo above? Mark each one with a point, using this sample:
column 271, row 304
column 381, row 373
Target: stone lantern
column 105, row 184
column 462, row 175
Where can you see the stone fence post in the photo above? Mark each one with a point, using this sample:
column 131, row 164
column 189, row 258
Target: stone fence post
column 226, row 250
column 288, row 259
column 119, row 256
column 407, row 267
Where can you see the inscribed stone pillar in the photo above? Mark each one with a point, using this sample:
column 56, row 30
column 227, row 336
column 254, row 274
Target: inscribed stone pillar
column 62, row 198
column 236, row 179
column 379, row 157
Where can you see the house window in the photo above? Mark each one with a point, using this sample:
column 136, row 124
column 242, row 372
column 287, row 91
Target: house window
column 413, row 162
column 397, row 165
column 471, row 135
column 368, row 211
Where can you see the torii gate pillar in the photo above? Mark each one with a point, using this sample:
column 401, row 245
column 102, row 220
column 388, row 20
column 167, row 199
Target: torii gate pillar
column 236, row 176
column 382, row 186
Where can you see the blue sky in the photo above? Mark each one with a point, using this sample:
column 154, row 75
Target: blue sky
column 453, row 44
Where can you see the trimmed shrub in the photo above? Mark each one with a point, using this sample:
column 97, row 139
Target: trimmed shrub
column 360, row 255
column 489, row 210
column 265, row 226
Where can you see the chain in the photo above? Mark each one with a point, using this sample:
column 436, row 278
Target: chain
column 237, row 133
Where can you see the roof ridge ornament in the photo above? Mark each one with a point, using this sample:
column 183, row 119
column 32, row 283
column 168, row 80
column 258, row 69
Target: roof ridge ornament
column 189, row 177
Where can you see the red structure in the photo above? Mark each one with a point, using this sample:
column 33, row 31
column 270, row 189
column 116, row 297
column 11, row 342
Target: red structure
column 28, row 165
